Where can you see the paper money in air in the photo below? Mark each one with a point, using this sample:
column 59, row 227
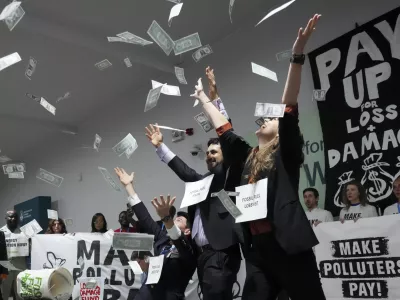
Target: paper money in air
column 201, row 53
column 269, row 110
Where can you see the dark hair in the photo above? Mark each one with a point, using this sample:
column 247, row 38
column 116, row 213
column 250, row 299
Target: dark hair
column 51, row 223
column 140, row 255
column 172, row 211
column 361, row 191
column 213, row 141
column 102, row 230
column 186, row 216
column 124, row 211
column 314, row 191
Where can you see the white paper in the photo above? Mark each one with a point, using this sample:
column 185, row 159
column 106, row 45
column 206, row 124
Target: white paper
column 262, row 71
column 52, row 214
column 169, row 90
column 17, row 245
column 50, row 108
column 9, row 60
column 252, row 201
column 175, row 11
column 8, row 265
column 196, row 192
column 109, row 234
column 155, row 269
column 169, row 128
column 31, row 229
column 9, row 10
column 274, row 11
column 137, row 270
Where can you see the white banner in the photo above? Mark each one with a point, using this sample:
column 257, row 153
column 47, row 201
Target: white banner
column 360, row 260
column 100, row 260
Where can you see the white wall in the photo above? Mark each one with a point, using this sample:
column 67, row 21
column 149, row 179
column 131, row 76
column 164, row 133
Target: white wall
column 239, row 88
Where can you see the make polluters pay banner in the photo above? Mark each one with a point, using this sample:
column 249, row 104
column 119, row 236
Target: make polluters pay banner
column 50, row 251
column 360, row 260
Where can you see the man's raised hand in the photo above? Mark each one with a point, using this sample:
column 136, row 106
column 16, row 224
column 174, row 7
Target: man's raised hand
column 124, row 177
column 163, row 206
column 154, row 135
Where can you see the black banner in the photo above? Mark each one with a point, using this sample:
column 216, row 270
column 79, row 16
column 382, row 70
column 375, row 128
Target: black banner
column 360, row 72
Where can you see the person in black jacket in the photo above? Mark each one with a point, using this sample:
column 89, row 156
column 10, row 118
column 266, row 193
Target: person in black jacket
column 3, row 257
column 278, row 246
column 213, row 229
column 175, row 244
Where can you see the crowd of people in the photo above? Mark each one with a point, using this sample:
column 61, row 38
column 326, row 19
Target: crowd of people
column 277, row 249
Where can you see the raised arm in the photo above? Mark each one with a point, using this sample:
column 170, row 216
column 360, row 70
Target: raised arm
column 181, row 169
column 292, row 87
column 163, row 207
column 290, row 138
column 212, row 84
column 213, row 93
column 216, row 117
column 145, row 220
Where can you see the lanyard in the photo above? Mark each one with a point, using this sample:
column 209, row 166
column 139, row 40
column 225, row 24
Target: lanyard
column 398, row 207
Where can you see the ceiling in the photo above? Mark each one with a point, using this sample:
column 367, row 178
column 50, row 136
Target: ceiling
column 68, row 37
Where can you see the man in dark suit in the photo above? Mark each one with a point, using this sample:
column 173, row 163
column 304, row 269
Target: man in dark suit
column 174, row 243
column 213, row 227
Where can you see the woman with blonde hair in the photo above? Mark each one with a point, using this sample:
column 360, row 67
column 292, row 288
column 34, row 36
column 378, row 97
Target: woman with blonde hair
column 277, row 246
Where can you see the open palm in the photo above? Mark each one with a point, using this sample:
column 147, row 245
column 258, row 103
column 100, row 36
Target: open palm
column 304, row 35
column 154, row 135
column 124, row 177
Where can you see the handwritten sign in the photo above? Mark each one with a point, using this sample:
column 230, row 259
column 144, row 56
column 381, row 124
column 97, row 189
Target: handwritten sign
column 252, row 201
column 17, row 245
column 91, row 288
column 155, row 268
column 196, row 192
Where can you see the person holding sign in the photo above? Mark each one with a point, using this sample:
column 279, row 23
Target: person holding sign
column 175, row 244
column 315, row 214
column 213, row 230
column 394, row 208
column 278, row 239
column 355, row 199
column 12, row 234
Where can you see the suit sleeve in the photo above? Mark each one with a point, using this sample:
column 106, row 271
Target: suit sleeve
column 183, row 171
column 147, row 224
column 181, row 243
column 234, row 148
column 290, row 138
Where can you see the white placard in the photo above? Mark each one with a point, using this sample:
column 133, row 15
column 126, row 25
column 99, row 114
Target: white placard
column 91, row 288
column 31, row 229
column 196, row 192
column 52, row 214
column 135, row 267
column 252, row 201
column 155, row 269
column 17, row 245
